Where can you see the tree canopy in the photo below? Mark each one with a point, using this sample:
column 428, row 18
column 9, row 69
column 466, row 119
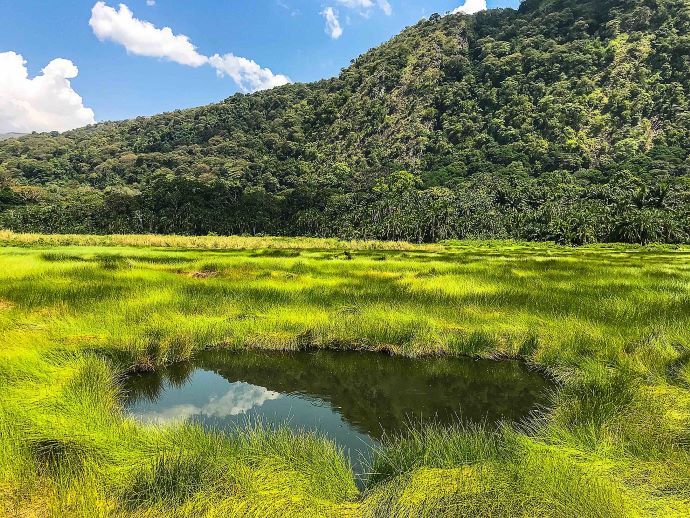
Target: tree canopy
column 564, row 120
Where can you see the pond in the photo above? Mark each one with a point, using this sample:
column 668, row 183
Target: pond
column 351, row 397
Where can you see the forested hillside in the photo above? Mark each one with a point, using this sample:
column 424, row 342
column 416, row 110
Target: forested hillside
column 565, row 120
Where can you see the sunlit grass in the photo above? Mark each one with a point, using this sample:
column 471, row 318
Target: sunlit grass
column 609, row 322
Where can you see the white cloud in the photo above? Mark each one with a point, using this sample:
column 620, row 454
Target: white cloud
column 386, row 7
column 364, row 6
column 283, row 5
column 357, row 4
column 45, row 103
column 247, row 73
column 145, row 39
column 333, row 28
column 471, row 7
column 142, row 38
column 150, row 3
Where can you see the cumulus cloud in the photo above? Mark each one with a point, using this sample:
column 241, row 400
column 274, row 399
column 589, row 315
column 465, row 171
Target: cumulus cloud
column 246, row 73
column 142, row 38
column 46, row 102
column 150, row 3
column 471, row 7
column 333, row 27
column 145, row 39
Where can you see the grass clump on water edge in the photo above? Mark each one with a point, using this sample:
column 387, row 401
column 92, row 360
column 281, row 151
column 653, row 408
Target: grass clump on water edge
column 609, row 322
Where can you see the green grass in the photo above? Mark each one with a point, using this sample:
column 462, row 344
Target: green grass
column 610, row 323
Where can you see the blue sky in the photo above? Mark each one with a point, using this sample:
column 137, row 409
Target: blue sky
column 289, row 37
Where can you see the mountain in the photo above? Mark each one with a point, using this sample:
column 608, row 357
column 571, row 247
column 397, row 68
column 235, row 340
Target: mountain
column 5, row 136
column 564, row 120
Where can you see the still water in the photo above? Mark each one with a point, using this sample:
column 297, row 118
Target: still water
column 351, row 397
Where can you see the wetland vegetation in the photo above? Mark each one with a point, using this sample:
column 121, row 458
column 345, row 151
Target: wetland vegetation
column 81, row 314
column 565, row 121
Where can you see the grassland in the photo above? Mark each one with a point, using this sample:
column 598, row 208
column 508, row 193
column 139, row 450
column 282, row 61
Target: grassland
column 611, row 324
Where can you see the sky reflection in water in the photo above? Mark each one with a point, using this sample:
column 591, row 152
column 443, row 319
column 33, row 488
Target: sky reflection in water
column 350, row 397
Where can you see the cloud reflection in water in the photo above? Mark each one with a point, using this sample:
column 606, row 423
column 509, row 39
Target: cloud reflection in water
column 239, row 399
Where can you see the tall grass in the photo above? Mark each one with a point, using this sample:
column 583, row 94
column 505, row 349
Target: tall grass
column 609, row 323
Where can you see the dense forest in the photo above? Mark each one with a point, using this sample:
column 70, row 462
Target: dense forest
column 564, row 120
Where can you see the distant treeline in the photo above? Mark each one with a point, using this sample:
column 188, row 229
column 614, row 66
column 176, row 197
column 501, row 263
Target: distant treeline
column 554, row 207
column 566, row 120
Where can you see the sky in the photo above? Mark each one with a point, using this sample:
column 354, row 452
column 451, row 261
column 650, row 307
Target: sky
column 65, row 64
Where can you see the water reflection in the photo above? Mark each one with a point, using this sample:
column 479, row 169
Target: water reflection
column 351, row 397
column 240, row 398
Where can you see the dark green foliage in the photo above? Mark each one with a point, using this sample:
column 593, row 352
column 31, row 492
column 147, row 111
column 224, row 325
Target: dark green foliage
column 565, row 120
column 53, row 456
column 172, row 478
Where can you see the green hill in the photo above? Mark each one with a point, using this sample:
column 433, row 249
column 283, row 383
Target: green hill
column 565, row 120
